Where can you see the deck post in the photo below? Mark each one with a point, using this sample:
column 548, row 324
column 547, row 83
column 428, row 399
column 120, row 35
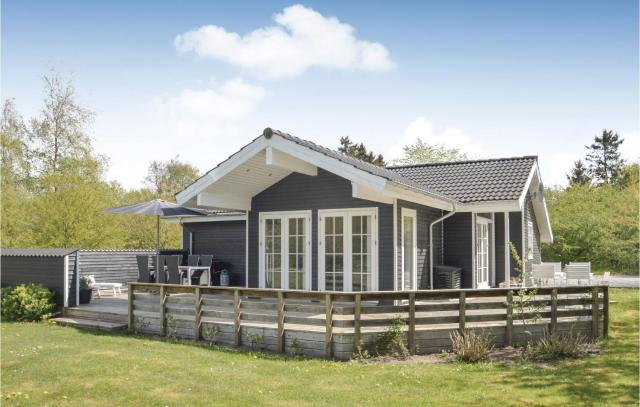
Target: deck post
column 554, row 311
column 236, row 317
column 130, row 306
column 509, row 333
column 462, row 314
column 281, row 322
column 328, row 311
column 605, row 311
column 412, row 323
column 198, row 315
column 356, row 323
column 163, row 317
column 594, row 312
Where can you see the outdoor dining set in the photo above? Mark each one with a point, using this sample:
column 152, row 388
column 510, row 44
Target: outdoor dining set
column 574, row 273
column 176, row 269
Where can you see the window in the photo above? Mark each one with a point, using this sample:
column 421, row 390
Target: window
column 529, row 240
column 285, row 260
column 347, row 249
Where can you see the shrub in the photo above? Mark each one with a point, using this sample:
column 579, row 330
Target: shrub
column 470, row 347
column 391, row 341
column 554, row 346
column 30, row 302
column 85, row 283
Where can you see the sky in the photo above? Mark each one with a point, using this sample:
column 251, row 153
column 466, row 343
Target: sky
column 199, row 80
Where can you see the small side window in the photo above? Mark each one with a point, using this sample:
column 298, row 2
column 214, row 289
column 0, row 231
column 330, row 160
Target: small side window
column 529, row 240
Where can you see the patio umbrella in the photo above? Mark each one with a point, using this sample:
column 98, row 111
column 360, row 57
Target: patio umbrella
column 157, row 207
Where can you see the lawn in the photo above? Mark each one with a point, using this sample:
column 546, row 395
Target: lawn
column 51, row 365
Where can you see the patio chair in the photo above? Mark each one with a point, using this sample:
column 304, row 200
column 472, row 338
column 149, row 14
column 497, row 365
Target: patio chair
column 604, row 278
column 206, row 261
column 144, row 276
column 116, row 288
column 193, row 260
column 578, row 272
column 161, row 273
column 172, row 268
column 543, row 273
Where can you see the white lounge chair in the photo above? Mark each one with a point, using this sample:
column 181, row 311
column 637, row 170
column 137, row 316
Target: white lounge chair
column 604, row 279
column 116, row 288
column 578, row 272
column 543, row 273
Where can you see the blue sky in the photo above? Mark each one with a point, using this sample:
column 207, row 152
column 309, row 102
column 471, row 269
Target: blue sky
column 495, row 78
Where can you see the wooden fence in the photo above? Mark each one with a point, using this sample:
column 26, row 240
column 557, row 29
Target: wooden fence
column 334, row 324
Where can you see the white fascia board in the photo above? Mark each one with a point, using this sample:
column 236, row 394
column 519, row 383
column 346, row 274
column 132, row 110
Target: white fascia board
column 527, row 185
column 361, row 192
column 285, row 161
column 543, row 221
column 221, row 170
column 201, row 219
column 327, row 163
column 491, row 206
column 396, row 191
column 229, row 201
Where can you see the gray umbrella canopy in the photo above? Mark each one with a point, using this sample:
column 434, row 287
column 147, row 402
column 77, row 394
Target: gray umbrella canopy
column 159, row 208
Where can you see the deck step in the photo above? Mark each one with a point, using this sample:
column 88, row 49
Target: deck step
column 106, row 315
column 90, row 324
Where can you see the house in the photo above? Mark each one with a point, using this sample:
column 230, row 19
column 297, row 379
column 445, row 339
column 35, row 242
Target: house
column 287, row 213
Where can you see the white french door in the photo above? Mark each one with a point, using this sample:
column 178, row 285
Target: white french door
column 347, row 250
column 482, row 252
column 285, row 255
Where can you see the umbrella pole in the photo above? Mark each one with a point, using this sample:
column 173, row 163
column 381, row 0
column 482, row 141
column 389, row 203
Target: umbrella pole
column 158, row 268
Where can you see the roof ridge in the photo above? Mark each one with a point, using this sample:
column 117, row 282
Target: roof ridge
column 391, row 167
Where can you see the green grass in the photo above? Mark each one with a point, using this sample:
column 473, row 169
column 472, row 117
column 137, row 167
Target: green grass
column 54, row 365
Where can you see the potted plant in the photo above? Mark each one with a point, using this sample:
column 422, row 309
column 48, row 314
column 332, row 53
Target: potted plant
column 85, row 290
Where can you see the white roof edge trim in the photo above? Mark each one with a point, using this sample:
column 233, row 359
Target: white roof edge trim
column 222, row 169
column 512, row 205
column 200, row 219
column 546, row 236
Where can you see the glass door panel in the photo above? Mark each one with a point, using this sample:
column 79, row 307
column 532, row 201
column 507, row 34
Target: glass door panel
column 408, row 252
column 273, row 253
column 361, row 253
column 296, row 252
column 482, row 254
column 334, row 252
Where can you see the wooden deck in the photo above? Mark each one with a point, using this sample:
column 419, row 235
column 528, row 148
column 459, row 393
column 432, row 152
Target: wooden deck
column 320, row 324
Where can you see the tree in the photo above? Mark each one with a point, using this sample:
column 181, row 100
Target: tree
column 14, row 173
column 170, row 177
column 579, row 174
column 360, row 152
column 421, row 152
column 59, row 132
column 604, row 159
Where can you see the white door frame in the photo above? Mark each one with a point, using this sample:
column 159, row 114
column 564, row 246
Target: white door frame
column 406, row 212
column 284, row 216
column 348, row 213
column 485, row 223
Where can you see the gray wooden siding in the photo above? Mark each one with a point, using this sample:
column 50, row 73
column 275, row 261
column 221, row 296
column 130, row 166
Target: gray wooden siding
column 529, row 215
column 458, row 245
column 226, row 240
column 324, row 191
column 425, row 215
column 500, row 248
column 515, row 236
column 45, row 270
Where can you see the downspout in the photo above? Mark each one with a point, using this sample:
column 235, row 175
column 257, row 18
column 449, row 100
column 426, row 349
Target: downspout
column 453, row 211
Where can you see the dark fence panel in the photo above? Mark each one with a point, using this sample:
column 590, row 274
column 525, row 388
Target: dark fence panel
column 45, row 270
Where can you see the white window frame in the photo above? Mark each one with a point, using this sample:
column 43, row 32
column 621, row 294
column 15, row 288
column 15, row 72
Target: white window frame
column 348, row 213
column 411, row 213
column 285, row 216
column 529, row 240
column 487, row 222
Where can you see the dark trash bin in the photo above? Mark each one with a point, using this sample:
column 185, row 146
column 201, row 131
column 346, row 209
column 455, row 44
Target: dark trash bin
column 448, row 276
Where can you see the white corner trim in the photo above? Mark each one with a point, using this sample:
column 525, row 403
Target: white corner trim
column 412, row 213
column 285, row 161
column 246, row 251
column 395, row 244
column 66, row 281
column 527, row 185
column 507, row 251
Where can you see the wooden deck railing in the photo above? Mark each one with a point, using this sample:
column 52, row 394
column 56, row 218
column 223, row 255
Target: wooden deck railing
column 333, row 324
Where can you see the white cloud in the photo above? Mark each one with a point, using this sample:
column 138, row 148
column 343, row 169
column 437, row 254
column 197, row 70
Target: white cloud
column 302, row 39
column 630, row 148
column 450, row 137
column 204, row 113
